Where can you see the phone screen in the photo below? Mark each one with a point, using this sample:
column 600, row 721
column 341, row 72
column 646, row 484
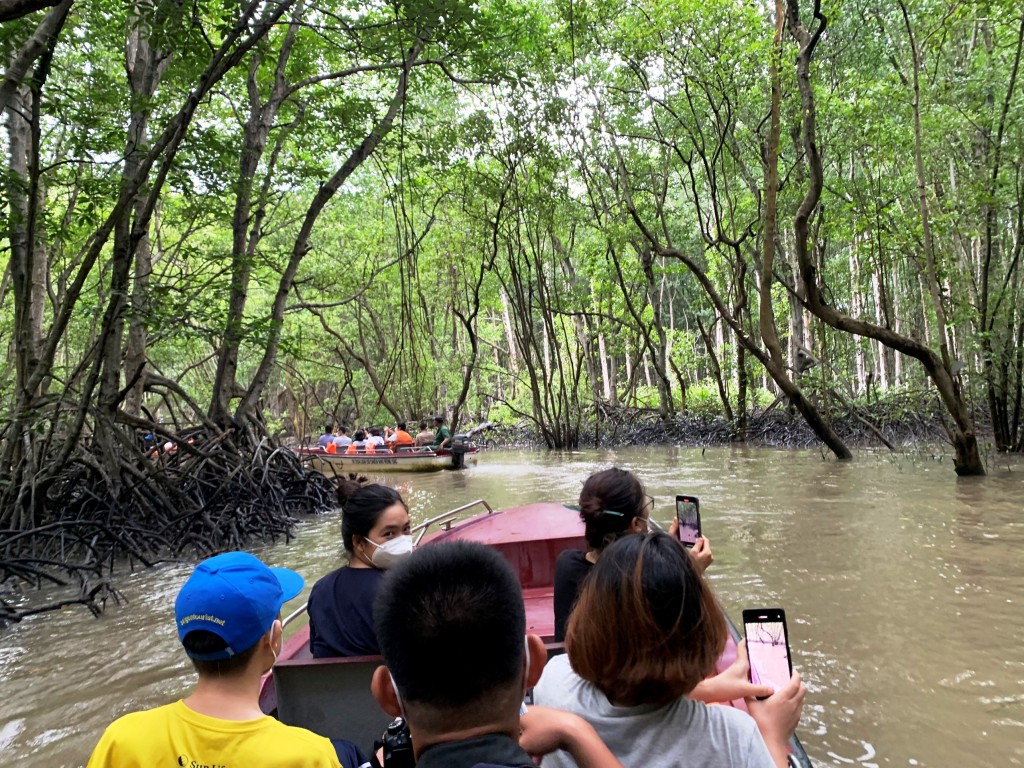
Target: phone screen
column 687, row 510
column 768, row 648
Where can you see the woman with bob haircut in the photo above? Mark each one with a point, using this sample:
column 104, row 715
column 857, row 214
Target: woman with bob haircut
column 645, row 633
column 375, row 532
column 612, row 504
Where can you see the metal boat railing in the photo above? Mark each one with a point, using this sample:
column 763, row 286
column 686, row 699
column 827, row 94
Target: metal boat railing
column 444, row 520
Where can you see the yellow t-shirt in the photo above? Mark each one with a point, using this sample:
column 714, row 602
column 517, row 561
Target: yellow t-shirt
column 174, row 736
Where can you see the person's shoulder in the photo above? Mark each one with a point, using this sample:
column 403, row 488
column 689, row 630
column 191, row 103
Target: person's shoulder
column 362, row 574
column 124, row 735
column 723, row 734
column 129, row 727
column 346, row 576
column 557, row 681
column 571, row 565
column 327, row 580
column 561, row 688
column 144, row 717
column 722, row 717
column 299, row 735
column 571, row 557
column 319, row 748
column 355, row 582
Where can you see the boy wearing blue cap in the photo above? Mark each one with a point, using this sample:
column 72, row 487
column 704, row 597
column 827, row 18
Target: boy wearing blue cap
column 228, row 622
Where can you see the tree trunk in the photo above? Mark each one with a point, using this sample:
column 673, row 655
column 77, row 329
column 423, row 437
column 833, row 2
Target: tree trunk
column 769, row 334
column 246, row 409
column 967, row 459
column 716, row 370
column 247, row 224
column 146, row 65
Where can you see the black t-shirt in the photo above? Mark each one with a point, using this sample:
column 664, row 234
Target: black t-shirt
column 571, row 568
column 493, row 749
column 341, row 613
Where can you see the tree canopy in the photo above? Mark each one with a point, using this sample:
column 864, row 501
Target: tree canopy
column 250, row 217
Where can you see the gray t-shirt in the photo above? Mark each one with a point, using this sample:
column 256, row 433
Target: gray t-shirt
column 684, row 733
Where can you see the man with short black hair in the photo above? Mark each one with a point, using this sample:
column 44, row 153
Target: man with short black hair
column 424, row 437
column 452, row 630
column 327, row 437
column 228, row 617
column 342, row 440
column 398, row 437
column 442, row 435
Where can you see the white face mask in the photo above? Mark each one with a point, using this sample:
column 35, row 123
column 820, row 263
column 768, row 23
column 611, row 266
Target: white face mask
column 391, row 551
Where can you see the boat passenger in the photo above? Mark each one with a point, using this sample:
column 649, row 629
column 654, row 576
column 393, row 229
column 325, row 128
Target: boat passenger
column 357, row 443
column 442, row 436
column 375, row 535
column 647, row 630
column 452, row 631
column 612, row 504
column 228, row 618
column 398, row 437
column 326, row 437
column 376, row 437
column 425, row 436
column 342, row 440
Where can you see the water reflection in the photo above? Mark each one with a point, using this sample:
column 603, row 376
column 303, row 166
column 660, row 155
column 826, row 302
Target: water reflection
column 903, row 586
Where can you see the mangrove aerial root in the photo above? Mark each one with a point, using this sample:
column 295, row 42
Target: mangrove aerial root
column 195, row 495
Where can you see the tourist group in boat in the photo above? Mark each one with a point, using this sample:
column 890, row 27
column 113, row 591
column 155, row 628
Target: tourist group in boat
column 336, row 439
column 636, row 685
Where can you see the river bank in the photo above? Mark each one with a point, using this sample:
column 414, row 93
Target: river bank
column 906, row 420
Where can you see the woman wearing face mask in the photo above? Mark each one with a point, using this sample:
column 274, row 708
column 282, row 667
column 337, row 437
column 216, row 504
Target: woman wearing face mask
column 375, row 531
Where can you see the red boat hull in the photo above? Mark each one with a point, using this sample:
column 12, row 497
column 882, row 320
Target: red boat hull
column 327, row 695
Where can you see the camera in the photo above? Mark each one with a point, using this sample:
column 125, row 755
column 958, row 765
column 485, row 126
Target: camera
column 396, row 746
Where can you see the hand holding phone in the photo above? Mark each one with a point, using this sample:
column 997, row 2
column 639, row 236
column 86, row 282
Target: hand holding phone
column 768, row 646
column 688, row 514
column 702, row 554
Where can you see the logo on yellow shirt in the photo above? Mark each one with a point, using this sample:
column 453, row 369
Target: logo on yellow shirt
column 185, row 762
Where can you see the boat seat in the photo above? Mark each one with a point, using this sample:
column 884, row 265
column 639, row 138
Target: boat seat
column 540, row 620
column 332, row 696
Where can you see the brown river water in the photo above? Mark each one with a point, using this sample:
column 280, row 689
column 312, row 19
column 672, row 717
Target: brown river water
column 903, row 585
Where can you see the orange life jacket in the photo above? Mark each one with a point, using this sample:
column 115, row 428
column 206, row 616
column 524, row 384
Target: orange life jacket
column 352, row 448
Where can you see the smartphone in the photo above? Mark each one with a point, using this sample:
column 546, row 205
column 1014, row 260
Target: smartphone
column 768, row 646
column 688, row 512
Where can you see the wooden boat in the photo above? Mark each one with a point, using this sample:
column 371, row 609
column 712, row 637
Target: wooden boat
column 422, row 459
column 332, row 696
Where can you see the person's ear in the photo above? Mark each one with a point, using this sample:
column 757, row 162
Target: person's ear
column 538, row 658
column 638, row 525
column 277, row 637
column 384, row 693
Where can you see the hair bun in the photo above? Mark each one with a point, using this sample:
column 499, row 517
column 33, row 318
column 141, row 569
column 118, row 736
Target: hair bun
column 346, row 486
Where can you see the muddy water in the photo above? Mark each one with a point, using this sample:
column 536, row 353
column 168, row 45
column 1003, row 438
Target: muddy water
column 904, row 587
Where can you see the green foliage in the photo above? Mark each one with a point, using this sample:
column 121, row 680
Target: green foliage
column 485, row 258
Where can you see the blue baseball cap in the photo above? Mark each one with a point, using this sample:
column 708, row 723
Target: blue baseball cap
column 236, row 597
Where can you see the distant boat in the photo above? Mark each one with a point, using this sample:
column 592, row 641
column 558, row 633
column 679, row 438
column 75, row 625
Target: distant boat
column 418, row 459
